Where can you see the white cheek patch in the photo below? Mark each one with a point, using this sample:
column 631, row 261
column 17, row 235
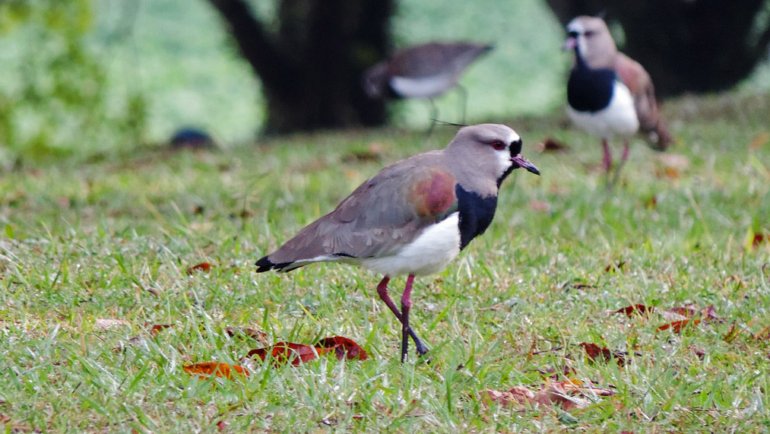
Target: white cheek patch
column 503, row 161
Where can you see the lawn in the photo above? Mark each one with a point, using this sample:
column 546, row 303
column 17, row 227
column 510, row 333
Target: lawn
column 94, row 254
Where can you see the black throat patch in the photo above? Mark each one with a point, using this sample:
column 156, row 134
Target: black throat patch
column 590, row 90
column 476, row 213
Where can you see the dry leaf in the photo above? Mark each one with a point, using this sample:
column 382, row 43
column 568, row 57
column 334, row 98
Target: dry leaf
column 110, row 323
column 678, row 326
column 550, row 144
column 568, row 395
column 283, row 352
column 157, row 328
column 207, row 369
column 204, row 267
column 344, row 348
column 638, row 309
column 373, row 152
column 596, row 353
column 690, row 311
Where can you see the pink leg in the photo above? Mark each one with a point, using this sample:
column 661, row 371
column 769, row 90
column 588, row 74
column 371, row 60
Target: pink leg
column 606, row 156
column 623, row 158
column 382, row 291
column 406, row 305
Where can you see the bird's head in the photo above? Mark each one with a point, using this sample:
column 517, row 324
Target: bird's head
column 591, row 40
column 490, row 151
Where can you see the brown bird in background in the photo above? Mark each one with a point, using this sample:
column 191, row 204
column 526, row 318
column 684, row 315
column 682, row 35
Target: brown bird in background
column 608, row 93
column 423, row 71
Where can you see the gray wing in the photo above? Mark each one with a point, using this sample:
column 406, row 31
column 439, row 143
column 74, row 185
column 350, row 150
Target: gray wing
column 377, row 219
column 436, row 58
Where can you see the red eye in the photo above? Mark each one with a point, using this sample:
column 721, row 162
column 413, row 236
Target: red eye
column 498, row 145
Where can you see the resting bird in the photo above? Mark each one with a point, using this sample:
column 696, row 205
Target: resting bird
column 608, row 93
column 423, row 71
column 414, row 216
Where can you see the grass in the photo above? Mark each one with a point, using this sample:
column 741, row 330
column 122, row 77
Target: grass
column 113, row 239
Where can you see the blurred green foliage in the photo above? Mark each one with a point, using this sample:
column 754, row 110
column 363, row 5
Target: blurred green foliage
column 53, row 88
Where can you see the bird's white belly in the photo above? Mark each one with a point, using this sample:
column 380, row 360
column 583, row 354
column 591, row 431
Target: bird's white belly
column 618, row 119
column 429, row 253
column 422, row 87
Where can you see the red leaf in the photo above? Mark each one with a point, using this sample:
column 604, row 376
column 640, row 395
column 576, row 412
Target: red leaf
column 156, row 328
column 639, row 309
column 207, row 369
column 204, row 267
column 344, row 348
column 283, row 352
column 596, row 353
column 678, row 326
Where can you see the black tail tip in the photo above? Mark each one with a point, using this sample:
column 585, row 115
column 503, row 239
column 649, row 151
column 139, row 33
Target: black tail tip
column 264, row 264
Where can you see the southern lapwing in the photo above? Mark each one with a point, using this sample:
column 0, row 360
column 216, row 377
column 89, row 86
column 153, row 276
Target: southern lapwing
column 423, row 71
column 608, row 93
column 414, row 216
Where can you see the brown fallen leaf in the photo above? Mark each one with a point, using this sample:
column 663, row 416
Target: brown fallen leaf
column 759, row 239
column 638, row 309
column 218, row 369
column 568, row 395
column 110, row 323
column 157, row 328
column 698, row 351
column 550, row 144
column 373, row 152
column 283, row 352
column 204, row 267
column 690, row 311
column 678, row 326
column 344, row 348
column 595, row 353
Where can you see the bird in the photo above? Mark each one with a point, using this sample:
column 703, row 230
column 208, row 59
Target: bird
column 423, row 71
column 609, row 94
column 413, row 217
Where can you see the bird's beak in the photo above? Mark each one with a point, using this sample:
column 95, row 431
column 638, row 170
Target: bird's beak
column 522, row 162
column 569, row 44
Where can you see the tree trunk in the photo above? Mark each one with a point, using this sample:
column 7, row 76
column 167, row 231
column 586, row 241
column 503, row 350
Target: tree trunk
column 311, row 66
column 686, row 46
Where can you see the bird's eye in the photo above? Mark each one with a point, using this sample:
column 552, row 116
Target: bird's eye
column 588, row 33
column 498, row 145
column 573, row 34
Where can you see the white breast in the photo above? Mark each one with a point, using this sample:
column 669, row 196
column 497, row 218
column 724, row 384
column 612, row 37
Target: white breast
column 429, row 253
column 618, row 119
column 423, row 87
